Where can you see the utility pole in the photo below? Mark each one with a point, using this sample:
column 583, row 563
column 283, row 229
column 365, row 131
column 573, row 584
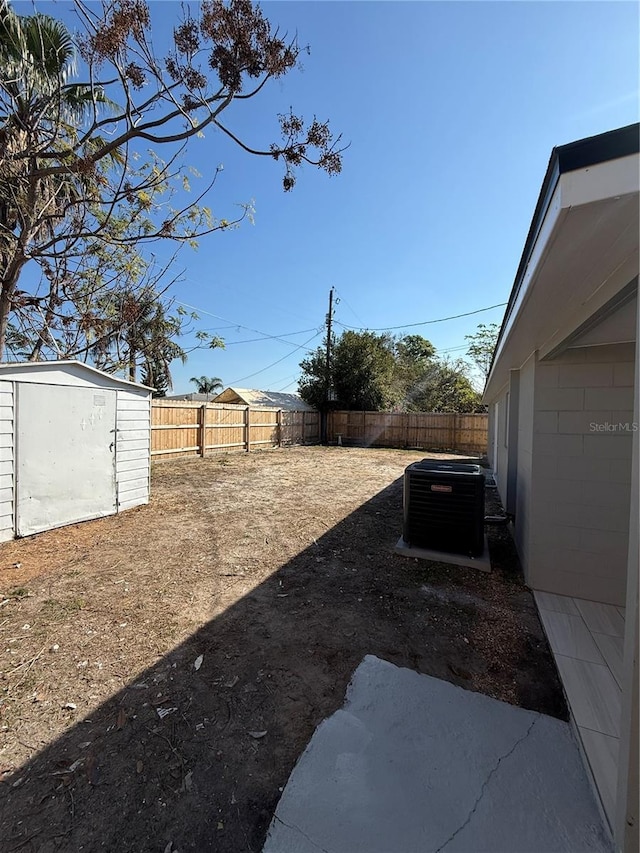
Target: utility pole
column 327, row 378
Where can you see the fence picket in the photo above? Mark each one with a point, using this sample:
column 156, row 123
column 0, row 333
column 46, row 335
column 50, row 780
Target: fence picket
column 183, row 427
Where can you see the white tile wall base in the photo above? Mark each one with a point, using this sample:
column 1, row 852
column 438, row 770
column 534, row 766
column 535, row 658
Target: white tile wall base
column 593, row 694
column 602, row 755
column 611, row 649
column 568, row 635
column 556, row 603
column 601, row 618
column 591, row 680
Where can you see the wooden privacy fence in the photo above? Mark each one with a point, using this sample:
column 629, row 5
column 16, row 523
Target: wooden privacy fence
column 422, row 430
column 193, row 429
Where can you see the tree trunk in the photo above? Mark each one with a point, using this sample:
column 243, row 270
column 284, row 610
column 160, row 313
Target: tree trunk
column 7, row 289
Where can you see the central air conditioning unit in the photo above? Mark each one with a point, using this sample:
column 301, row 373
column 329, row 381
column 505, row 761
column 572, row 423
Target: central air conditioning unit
column 444, row 507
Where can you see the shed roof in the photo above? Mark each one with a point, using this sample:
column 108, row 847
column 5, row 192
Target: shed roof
column 263, row 399
column 17, row 370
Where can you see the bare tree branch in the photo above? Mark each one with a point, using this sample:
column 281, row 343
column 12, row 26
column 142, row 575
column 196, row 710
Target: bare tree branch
column 68, row 180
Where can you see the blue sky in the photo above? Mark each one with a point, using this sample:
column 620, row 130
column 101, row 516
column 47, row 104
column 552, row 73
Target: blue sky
column 451, row 110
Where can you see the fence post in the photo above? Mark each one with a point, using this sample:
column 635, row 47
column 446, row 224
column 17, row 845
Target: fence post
column 202, row 429
column 279, row 427
column 247, row 429
column 455, row 431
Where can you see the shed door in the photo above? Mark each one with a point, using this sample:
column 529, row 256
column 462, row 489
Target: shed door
column 65, row 455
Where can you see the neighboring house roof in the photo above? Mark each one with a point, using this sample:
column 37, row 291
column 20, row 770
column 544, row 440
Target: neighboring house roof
column 263, row 399
column 558, row 205
column 193, row 396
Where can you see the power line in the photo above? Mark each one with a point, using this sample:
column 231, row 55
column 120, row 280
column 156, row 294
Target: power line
column 342, row 298
column 234, row 325
column 275, row 337
column 287, row 382
column 424, row 322
column 269, row 366
column 220, row 328
column 231, row 288
column 452, row 349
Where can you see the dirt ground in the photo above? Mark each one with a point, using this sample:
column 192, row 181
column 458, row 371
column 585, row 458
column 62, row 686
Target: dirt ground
column 162, row 670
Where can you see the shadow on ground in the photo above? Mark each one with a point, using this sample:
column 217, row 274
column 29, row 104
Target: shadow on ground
column 195, row 759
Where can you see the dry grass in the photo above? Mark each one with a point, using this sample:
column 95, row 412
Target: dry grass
column 278, row 568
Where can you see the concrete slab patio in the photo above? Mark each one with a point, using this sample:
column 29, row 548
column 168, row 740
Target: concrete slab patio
column 413, row 764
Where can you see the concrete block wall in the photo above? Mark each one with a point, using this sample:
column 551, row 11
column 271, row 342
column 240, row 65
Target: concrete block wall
column 510, row 497
column 579, row 491
column 499, row 450
column 524, row 456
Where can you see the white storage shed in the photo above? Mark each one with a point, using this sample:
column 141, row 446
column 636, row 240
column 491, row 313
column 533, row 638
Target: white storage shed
column 75, row 444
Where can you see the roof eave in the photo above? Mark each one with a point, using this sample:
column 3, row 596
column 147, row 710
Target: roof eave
column 564, row 158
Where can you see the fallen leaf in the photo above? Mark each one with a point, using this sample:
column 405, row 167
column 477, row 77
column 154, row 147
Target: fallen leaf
column 122, row 718
column 220, row 825
column 459, row 671
column 92, row 770
column 257, row 735
column 198, row 662
column 167, row 849
column 70, row 706
column 187, row 782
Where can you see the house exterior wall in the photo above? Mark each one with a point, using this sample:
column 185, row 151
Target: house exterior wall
column 573, row 465
column 497, row 438
column 133, row 448
column 511, row 494
column 500, row 437
column 524, row 457
column 577, row 512
column 627, row 827
column 581, row 473
column 6, row 461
